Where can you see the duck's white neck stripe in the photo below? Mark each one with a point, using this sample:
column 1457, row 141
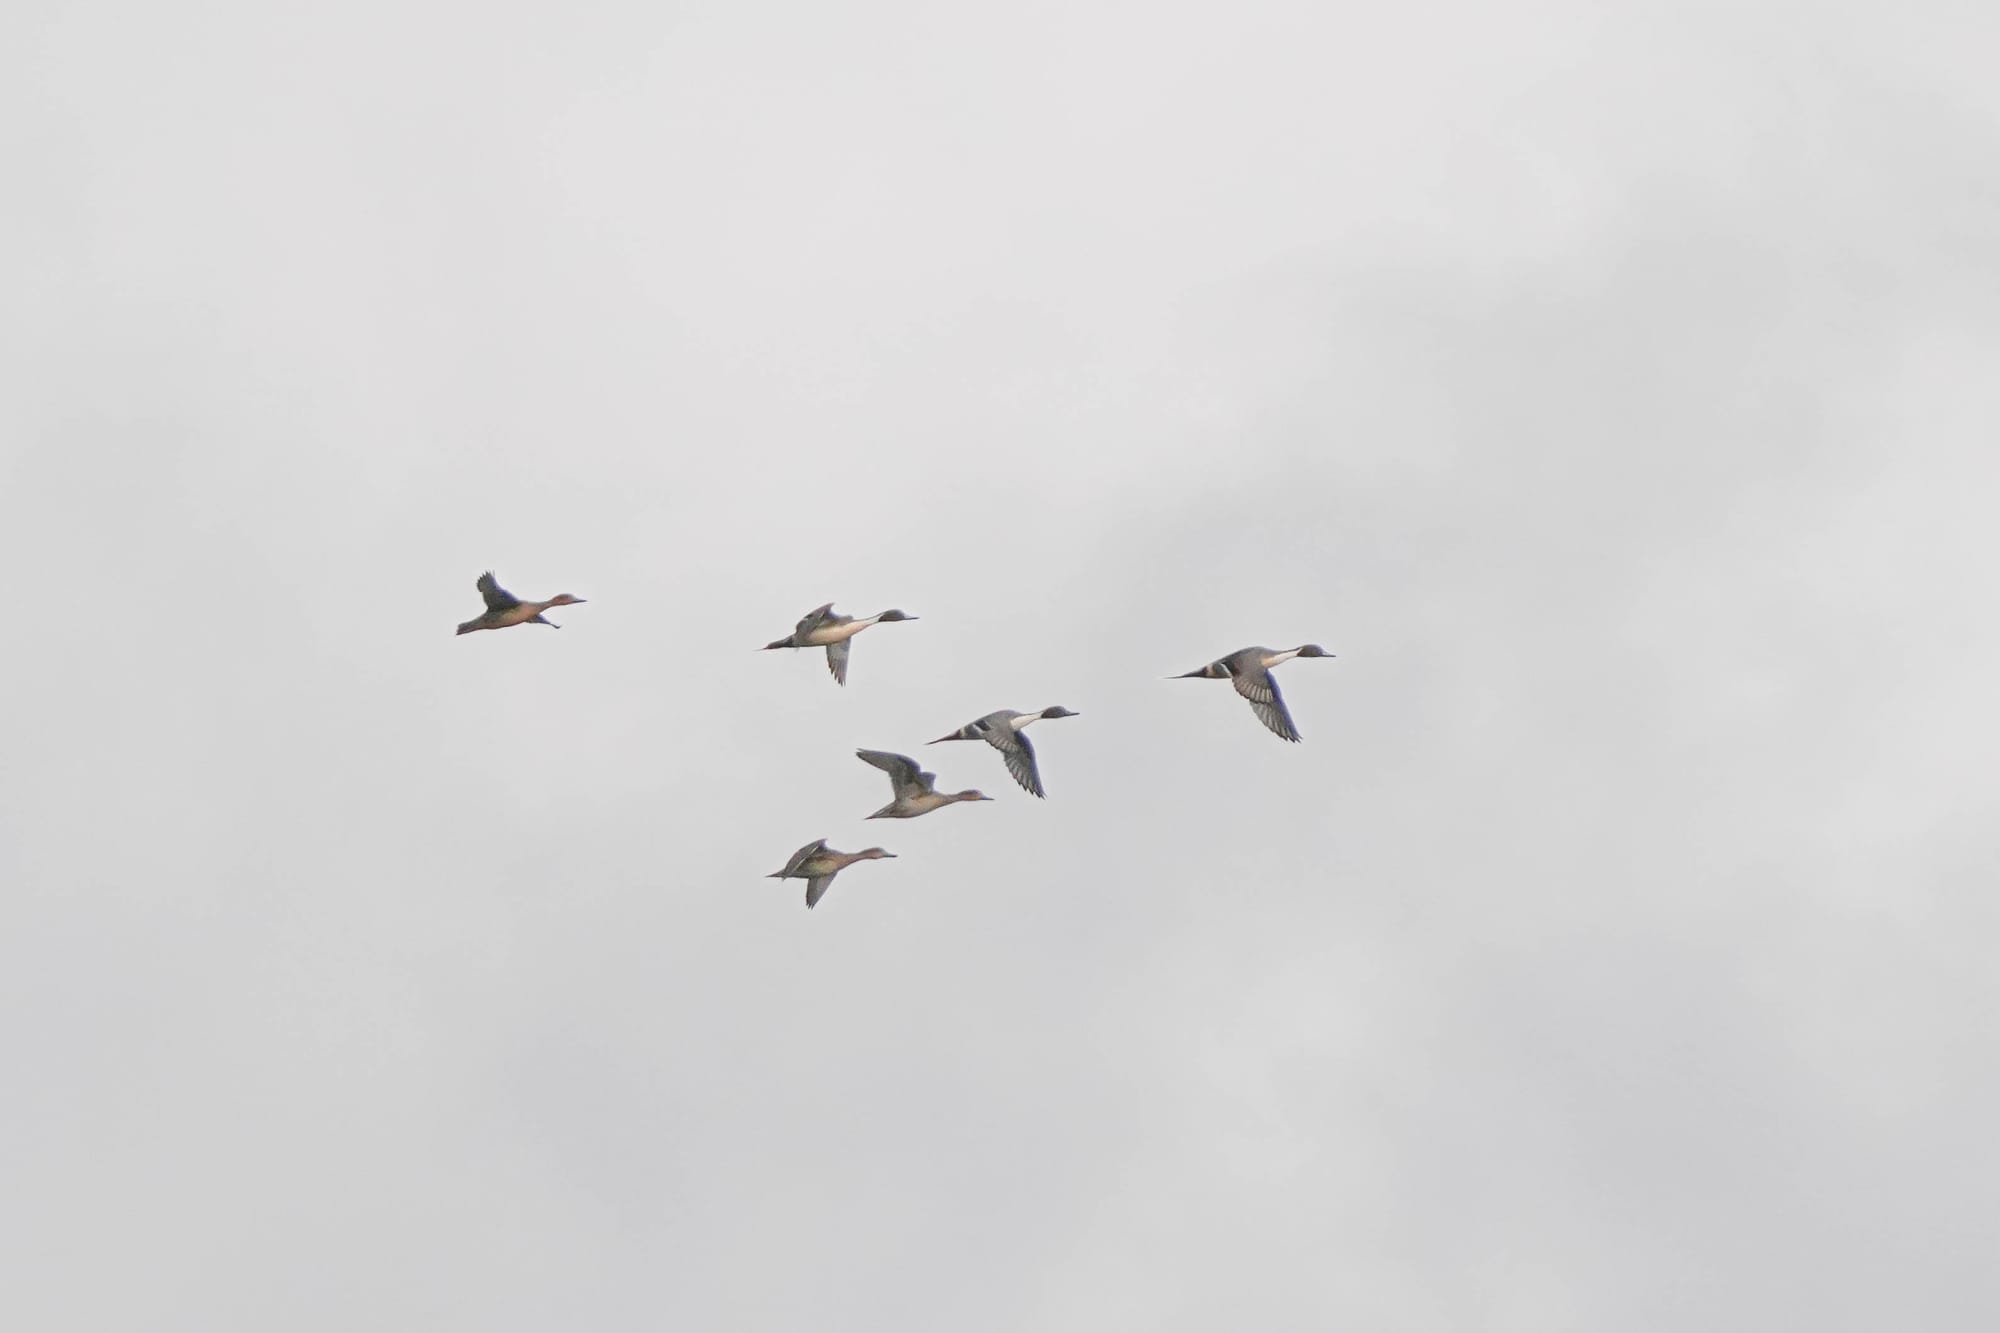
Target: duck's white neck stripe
column 1273, row 659
column 1023, row 720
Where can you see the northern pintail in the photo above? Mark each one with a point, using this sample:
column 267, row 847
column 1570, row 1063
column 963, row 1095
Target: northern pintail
column 503, row 608
column 916, row 791
column 1249, row 670
column 817, row 864
column 1002, row 731
column 820, row 628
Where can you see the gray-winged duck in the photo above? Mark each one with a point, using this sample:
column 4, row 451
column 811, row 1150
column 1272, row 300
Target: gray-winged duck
column 820, row 628
column 503, row 608
column 1249, row 670
column 916, row 791
column 1002, row 731
column 817, row 864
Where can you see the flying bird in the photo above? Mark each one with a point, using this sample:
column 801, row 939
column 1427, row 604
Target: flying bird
column 1002, row 731
column 1249, row 670
column 816, row 864
column 820, row 628
column 503, row 608
column 916, row 791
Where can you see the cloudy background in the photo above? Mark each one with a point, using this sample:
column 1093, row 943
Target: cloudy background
column 1611, row 387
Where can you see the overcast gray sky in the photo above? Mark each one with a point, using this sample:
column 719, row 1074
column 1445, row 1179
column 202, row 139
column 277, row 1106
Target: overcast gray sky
column 1610, row 386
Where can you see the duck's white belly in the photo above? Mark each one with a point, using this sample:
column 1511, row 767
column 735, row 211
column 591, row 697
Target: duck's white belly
column 830, row 634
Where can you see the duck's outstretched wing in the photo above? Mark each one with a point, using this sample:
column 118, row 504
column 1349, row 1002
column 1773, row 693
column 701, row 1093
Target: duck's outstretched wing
column 1261, row 689
column 816, row 889
column 811, row 849
column 812, row 619
column 497, row 597
column 836, row 660
column 1020, row 756
column 904, row 775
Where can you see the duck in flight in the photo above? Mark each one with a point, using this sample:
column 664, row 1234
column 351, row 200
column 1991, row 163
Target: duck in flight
column 503, row 608
column 1002, row 731
column 821, row 628
column 916, row 791
column 817, row 864
column 1249, row 670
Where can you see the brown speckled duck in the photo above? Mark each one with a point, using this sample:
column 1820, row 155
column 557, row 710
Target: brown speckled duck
column 916, row 791
column 817, row 864
column 503, row 608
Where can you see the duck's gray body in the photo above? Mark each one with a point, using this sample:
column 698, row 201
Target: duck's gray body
column 1002, row 731
column 915, row 790
column 1249, row 670
column 821, row 628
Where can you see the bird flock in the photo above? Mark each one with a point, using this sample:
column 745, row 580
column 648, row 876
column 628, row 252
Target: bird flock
column 914, row 791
